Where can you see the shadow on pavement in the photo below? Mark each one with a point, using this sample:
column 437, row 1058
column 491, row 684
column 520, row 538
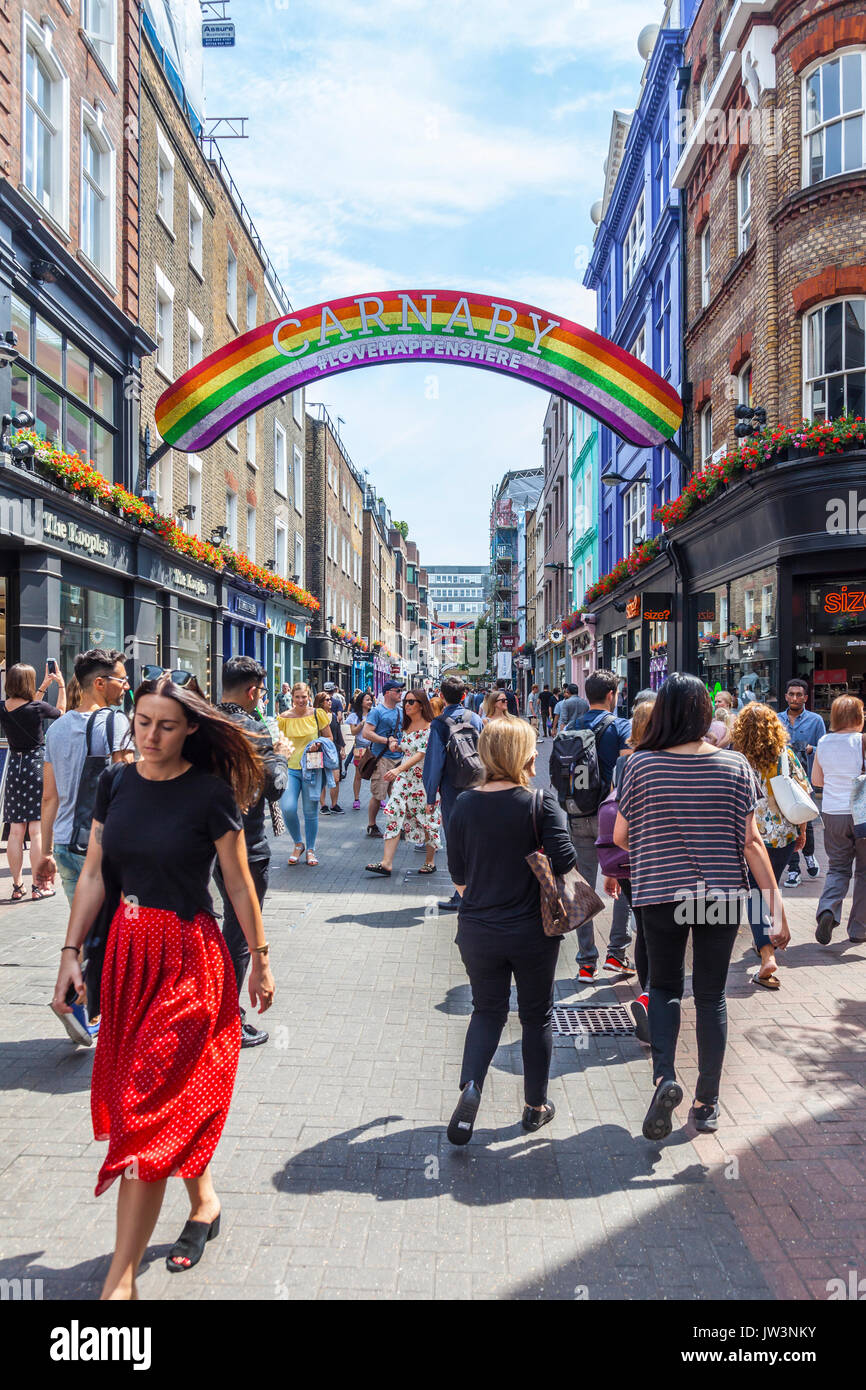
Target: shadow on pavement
column 54, row 1065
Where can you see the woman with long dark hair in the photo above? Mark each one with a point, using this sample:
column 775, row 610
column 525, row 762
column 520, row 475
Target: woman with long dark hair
column 407, row 811
column 170, row 1033
column 686, row 815
column 324, row 701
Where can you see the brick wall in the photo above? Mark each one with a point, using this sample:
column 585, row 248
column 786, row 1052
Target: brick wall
column 807, row 244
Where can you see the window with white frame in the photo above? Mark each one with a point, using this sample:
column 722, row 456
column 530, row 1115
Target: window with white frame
column 835, row 344
column 587, row 498
column 744, row 206
column 578, row 508
column 251, row 440
column 164, row 323
column 97, row 194
column 232, row 285
column 193, row 494
column 251, row 532
column 298, row 465
column 299, row 557
column 705, row 267
column 587, row 575
column 298, row 406
column 578, row 586
column 232, row 518
column 281, row 542
column 232, row 437
column 633, row 247
column 99, row 22
column 164, row 180
column 706, row 419
column 638, row 347
column 745, row 395
column 252, row 306
column 195, row 334
column 833, row 118
column 281, row 480
column 196, row 228
column 46, row 125
column 704, row 89
column 634, row 516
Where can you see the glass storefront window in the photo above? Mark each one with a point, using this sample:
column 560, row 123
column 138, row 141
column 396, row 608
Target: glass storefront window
column 194, row 648
column 830, row 639
column 738, row 649
column 21, row 324
column 47, row 413
column 78, row 373
column 88, row 618
column 49, row 350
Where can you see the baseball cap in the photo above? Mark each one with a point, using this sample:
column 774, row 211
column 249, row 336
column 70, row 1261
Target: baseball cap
column 329, row 685
column 391, row 685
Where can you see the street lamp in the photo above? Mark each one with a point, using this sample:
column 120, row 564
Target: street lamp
column 218, row 535
column 753, row 419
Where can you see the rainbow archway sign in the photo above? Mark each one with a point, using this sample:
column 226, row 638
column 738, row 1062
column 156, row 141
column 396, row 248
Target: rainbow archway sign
column 515, row 340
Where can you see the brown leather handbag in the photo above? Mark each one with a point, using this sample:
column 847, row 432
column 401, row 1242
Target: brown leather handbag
column 566, row 899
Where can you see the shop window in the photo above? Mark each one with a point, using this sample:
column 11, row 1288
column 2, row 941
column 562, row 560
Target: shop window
column 196, row 227
column 46, row 124
column 833, row 124
column 194, row 648
column 835, row 360
column 99, row 22
column 71, row 396
column 97, row 195
column 633, row 247
column 88, row 618
column 744, row 206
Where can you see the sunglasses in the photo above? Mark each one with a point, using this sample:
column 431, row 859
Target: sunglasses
column 153, row 673
column 409, row 702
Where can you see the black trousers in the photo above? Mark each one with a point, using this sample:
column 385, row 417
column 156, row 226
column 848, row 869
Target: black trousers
column 808, row 848
column 232, row 930
column 490, row 963
column 641, row 963
column 712, row 944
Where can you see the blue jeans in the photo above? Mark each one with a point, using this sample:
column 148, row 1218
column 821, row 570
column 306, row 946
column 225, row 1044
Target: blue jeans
column 69, row 867
column 759, row 921
column 298, row 788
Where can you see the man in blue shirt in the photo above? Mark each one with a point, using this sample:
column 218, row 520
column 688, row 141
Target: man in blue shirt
column 437, row 780
column 383, row 728
column 601, row 692
column 804, row 729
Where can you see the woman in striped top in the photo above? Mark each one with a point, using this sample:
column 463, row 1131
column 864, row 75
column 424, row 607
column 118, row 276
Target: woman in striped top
column 686, row 816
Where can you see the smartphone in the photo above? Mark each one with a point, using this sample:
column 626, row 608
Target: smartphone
column 52, row 666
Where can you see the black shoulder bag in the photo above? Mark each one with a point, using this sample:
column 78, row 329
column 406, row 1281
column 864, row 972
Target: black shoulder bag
column 85, row 799
column 93, row 950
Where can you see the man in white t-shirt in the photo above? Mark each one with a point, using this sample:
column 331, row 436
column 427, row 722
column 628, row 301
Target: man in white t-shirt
column 839, row 759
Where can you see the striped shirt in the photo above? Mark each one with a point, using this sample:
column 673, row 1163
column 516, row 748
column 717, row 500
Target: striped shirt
column 686, row 816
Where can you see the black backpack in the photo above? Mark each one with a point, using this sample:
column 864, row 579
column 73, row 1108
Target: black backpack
column 575, row 773
column 462, row 759
column 94, row 766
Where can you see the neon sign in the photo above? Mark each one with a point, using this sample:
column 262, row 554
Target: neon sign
column 423, row 326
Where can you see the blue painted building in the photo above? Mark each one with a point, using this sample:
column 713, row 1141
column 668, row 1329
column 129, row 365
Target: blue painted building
column 635, row 270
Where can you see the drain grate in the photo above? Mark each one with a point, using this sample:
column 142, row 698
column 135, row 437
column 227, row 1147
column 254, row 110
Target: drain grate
column 608, row 1022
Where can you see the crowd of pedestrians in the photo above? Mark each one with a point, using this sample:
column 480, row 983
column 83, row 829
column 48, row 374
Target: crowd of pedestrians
column 692, row 810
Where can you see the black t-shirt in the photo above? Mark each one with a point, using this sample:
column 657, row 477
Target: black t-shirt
column 489, row 837
column 23, row 726
column 158, row 842
column 547, row 700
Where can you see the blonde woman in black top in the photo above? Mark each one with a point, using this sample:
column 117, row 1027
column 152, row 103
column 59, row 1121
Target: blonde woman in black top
column 499, row 932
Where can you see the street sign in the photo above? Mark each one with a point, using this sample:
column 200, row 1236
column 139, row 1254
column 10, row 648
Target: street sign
column 218, row 33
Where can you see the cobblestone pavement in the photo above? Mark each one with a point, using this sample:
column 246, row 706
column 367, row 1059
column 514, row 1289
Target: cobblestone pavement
column 335, row 1175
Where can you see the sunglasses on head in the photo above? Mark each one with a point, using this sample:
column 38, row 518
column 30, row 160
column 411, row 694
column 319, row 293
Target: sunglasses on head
column 153, row 673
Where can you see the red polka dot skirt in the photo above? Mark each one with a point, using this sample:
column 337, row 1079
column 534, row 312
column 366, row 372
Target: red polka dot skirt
column 168, row 1045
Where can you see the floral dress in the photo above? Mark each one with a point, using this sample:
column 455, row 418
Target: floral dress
column 774, row 828
column 407, row 800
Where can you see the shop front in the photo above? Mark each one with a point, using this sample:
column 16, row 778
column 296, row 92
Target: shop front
column 286, row 634
column 244, row 627
column 829, row 630
column 176, row 622
column 637, row 632
column 581, row 654
column 738, row 637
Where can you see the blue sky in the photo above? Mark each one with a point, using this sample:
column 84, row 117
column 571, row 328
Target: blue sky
column 438, row 144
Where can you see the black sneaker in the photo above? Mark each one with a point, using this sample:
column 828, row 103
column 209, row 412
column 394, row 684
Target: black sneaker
column 812, row 866
column 251, row 1036
column 337, row 810
column 324, row 810
column 657, row 1121
column 463, row 1120
column 793, row 879
column 824, row 929
column 641, row 1018
column 706, row 1118
column 374, row 832
column 534, row 1119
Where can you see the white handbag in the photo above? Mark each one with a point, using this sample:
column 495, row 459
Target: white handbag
column 794, row 803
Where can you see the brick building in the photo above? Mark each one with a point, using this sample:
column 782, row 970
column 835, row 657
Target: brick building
column 554, row 507
column 206, row 279
column 773, row 170
column 69, row 291
column 335, row 548
column 378, row 599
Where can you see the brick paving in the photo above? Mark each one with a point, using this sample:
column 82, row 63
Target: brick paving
column 336, row 1178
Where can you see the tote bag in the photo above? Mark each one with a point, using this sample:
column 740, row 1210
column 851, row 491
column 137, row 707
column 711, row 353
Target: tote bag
column 795, row 804
column 566, row 899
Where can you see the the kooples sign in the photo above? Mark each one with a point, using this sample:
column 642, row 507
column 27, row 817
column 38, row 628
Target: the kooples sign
column 56, row 529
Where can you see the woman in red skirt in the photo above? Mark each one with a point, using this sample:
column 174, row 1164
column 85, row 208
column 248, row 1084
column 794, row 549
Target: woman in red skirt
column 170, row 1034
